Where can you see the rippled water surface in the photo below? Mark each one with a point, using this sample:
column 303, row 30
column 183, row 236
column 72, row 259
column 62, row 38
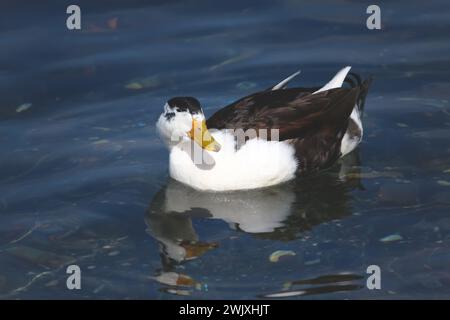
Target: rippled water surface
column 83, row 175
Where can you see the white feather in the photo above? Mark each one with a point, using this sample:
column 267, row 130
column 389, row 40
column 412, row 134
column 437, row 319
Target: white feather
column 348, row 143
column 282, row 83
column 337, row 80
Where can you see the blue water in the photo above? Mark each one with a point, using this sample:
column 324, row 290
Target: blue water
column 83, row 175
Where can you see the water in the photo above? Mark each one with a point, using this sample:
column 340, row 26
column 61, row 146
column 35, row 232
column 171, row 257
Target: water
column 83, row 175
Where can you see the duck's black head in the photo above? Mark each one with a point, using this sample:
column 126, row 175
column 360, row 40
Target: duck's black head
column 185, row 104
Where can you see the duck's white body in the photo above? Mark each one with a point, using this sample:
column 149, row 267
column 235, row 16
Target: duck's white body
column 258, row 163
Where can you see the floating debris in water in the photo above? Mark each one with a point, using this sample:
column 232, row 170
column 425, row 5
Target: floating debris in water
column 113, row 253
column 285, row 294
column 99, row 288
column 112, row 23
column 443, row 183
column 201, row 286
column 391, row 238
column 52, row 283
column 34, row 279
column 102, row 141
column 103, row 26
column 374, row 174
column 102, row 128
column 275, row 256
column 26, row 234
column 287, row 286
column 402, row 125
column 392, row 292
column 24, row 107
column 134, row 86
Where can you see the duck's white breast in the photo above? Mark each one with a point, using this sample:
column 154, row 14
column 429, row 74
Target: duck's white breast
column 258, row 163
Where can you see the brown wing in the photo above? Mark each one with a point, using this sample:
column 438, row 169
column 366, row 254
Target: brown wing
column 314, row 124
column 294, row 112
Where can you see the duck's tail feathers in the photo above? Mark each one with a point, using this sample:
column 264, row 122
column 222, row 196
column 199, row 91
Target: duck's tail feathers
column 283, row 84
column 337, row 80
column 355, row 80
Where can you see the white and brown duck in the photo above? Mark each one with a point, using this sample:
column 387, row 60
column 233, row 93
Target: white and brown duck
column 266, row 138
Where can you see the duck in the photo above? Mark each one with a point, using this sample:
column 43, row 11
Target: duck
column 265, row 138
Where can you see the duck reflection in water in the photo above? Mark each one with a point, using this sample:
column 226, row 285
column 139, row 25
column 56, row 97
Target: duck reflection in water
column 281, row 213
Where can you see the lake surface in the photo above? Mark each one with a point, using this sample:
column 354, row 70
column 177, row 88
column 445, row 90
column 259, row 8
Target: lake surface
column 84, row 177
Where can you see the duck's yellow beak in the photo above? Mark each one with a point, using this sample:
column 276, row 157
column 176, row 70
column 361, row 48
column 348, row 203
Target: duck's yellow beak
column 200, row 134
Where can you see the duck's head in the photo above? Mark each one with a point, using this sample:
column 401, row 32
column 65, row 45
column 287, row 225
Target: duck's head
column 183, row 119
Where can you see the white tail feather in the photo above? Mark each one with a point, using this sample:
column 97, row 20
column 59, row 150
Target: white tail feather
column 337, row 80
column 285, row 81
